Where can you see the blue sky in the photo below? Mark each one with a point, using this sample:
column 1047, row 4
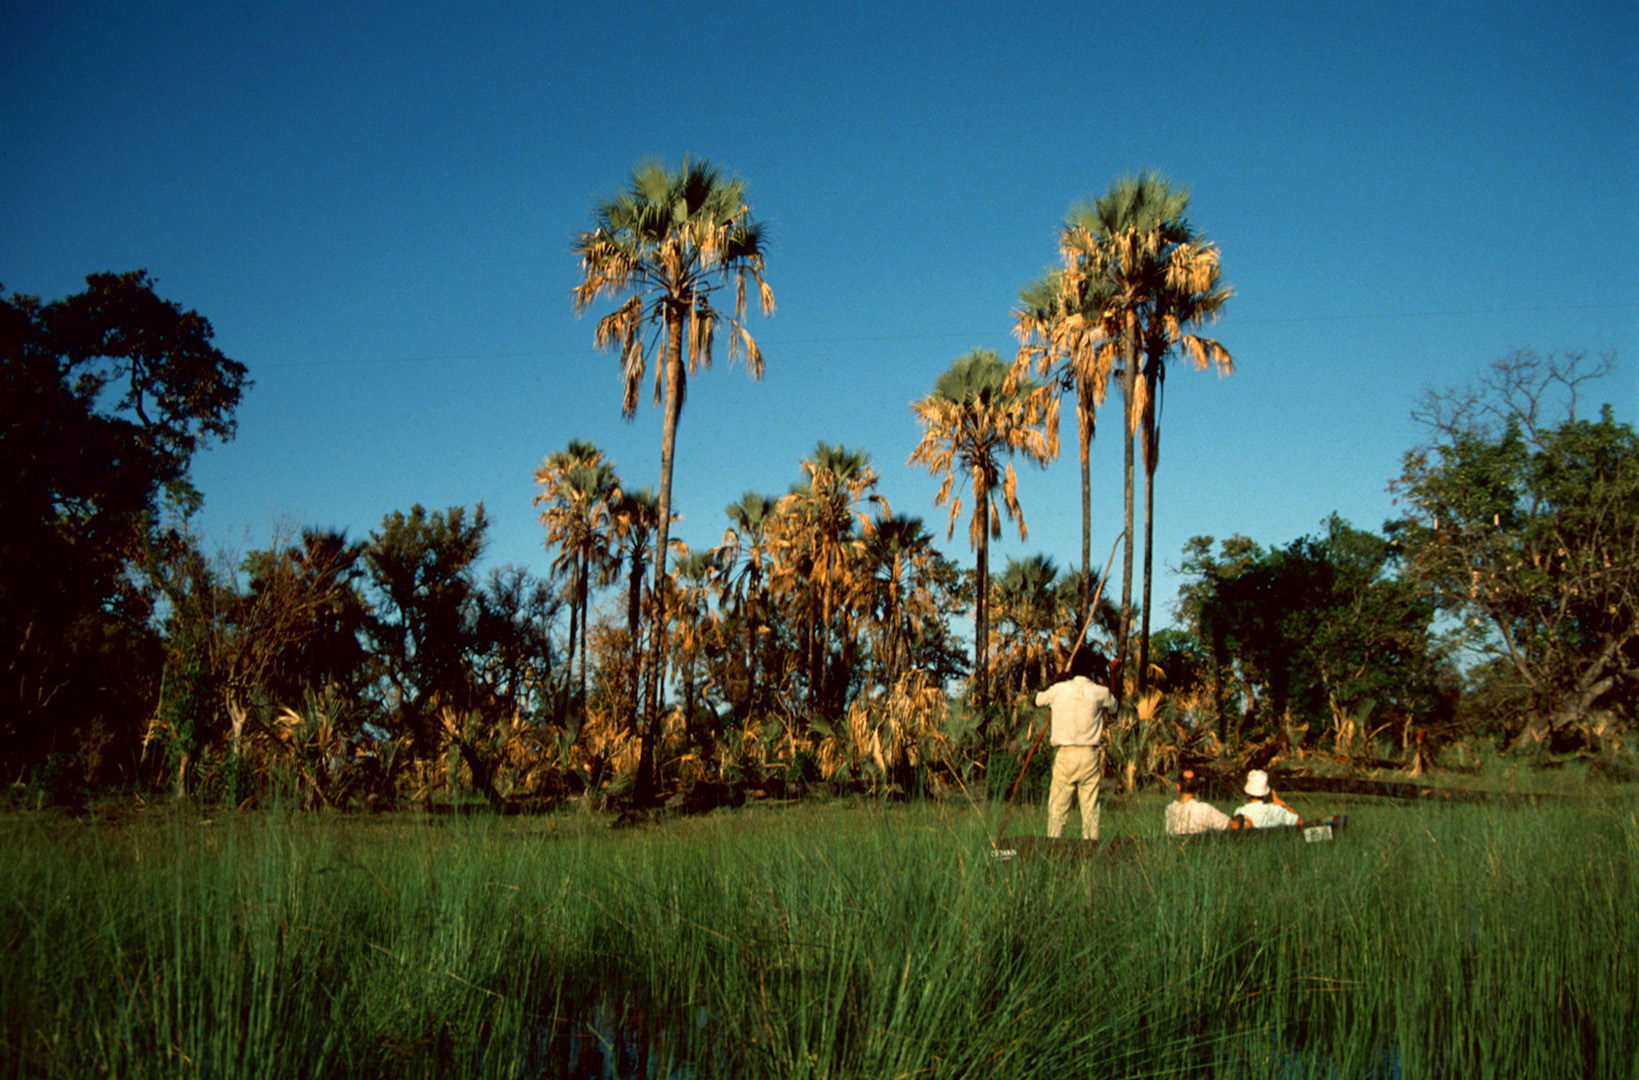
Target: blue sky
column 373, row 205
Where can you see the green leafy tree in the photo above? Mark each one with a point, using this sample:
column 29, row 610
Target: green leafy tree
column 105, row 397
column 1524, row 519
column 424, row 633
column 1321, row 635
column 664, row 248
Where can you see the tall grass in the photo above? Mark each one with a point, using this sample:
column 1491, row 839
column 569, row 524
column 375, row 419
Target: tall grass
column 836, row 940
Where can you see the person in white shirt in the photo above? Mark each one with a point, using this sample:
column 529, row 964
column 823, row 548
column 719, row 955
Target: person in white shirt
column 1266, row 808
column 1079, row 706
column 1187, row 815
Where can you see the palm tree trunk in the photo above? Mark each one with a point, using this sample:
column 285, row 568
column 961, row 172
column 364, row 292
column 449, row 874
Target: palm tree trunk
column 645, row 787
column 634, row 604
column 1154, row 373
column 581, row 590
column 753, row 608
column 569, row 663
column 1129, row 391
column 483, row 777
column 819, row 659
column 1144, row 610
column 981, row 606
column 1084, row 426
column 688, row 701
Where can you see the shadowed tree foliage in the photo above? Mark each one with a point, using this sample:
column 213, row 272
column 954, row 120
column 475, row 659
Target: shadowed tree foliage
column 105, row 396
column 302, row 620
column 910, row 592
column 1034, row 626
column 422, row 567
column 635, row 516
column 240, row 651
column 664, row 248
column 1319, row 636
column 515, row 657
column 694, row 625
column 286, row 666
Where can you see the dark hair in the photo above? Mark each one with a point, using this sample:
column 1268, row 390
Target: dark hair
column 1083, row 662
column 1189, row 782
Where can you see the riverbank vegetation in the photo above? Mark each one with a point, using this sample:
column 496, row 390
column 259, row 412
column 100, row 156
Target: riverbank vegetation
column 823, row 643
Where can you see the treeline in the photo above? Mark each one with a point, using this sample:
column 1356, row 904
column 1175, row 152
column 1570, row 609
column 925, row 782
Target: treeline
column 814, row 644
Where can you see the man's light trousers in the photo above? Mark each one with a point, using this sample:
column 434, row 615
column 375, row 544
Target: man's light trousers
column 1076, row 770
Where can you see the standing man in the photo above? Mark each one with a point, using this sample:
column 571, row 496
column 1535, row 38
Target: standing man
column 1079, row 706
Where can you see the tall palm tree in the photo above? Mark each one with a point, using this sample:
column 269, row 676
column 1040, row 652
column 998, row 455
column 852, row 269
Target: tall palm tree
column 1124, row 255
column 1192, row 294
column 580, row 487
column 663, row 248
column 1068, row 337
column 975, row 414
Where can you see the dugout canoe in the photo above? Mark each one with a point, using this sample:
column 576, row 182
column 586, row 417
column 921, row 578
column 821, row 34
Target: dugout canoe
column 1031, row 848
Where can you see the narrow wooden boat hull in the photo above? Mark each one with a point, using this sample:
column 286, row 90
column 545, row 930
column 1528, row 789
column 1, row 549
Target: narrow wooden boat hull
column 1013, row 848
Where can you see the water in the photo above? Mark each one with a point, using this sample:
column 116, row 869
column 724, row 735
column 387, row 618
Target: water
column 617, row 1036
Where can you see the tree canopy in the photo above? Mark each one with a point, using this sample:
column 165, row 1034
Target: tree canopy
column 1524, row 519
column 105, row 396
column 1318, row 636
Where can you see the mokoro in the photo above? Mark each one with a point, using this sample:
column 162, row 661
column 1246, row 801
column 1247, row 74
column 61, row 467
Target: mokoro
column 1013, row 848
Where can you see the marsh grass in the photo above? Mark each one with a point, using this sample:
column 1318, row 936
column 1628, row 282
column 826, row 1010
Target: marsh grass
column 832, row 940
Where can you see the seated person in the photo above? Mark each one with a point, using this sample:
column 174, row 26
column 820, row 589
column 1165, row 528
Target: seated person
column 1188, row 815
column 1266, row 808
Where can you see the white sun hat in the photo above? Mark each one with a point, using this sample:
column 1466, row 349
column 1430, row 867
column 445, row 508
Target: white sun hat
column 1257, row 784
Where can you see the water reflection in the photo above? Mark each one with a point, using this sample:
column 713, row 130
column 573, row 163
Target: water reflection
column 620, row 1036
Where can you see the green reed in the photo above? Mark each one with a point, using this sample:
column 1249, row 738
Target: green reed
column 831, row 940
